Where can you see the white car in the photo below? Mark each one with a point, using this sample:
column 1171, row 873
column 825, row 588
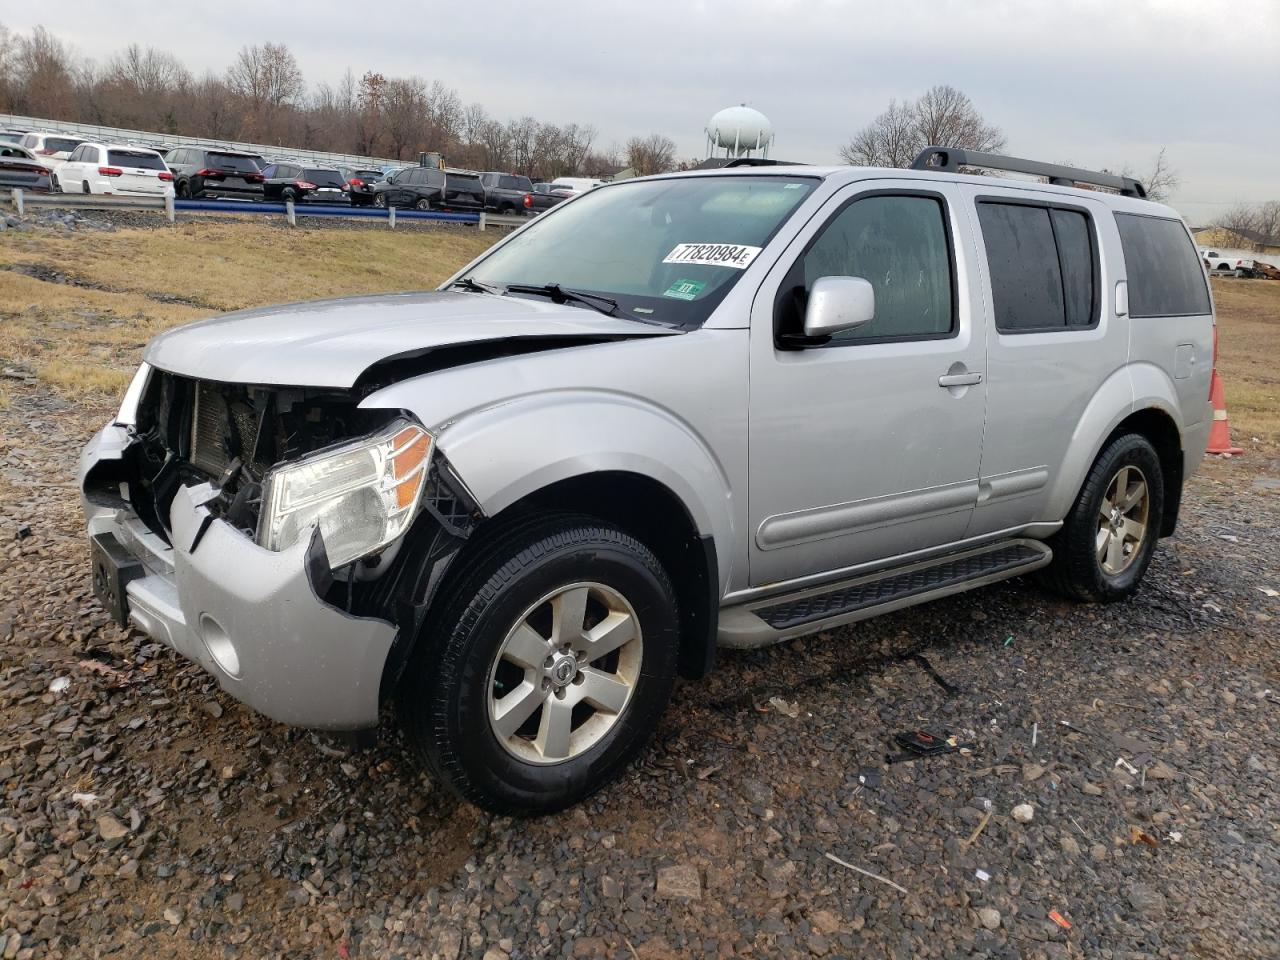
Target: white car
column 576, row 185
column 52, row 149
column 115, row 169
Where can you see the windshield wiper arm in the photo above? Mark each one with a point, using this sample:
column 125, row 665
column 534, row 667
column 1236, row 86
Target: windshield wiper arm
column 606, row 305
column 475, row 286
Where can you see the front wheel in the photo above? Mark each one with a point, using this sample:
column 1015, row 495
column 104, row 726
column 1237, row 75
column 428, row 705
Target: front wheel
column 547, row 669
column 1106, row 542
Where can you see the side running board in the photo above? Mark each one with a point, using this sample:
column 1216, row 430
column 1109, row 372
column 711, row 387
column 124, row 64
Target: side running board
column 819, row 608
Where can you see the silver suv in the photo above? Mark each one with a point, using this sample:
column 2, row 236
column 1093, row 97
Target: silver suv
column 719, row 408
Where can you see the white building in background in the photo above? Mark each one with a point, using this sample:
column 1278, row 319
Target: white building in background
column 739, row 132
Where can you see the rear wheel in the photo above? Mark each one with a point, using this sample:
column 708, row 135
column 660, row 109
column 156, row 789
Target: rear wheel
column 1106, row 542
column 54, row 185
column 423, row 204
column 380, row 200
column 547, row 669
column 84, row 187
column 287, row 194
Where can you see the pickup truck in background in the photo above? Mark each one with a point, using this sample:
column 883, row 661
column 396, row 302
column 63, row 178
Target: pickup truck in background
column 1220, row 261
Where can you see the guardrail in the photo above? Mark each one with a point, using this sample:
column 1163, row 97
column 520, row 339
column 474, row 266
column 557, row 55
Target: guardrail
column 170, row 207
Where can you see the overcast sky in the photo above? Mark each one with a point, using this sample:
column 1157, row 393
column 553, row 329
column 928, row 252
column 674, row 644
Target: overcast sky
column 1096, row 82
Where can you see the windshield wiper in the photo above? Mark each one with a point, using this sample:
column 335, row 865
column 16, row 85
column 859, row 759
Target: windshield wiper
column 606, row 305
column 475, row 286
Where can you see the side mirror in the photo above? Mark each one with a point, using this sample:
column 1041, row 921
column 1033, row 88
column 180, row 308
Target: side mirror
column 837, row 304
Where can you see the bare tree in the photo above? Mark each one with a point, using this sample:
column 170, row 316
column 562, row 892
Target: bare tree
column 1241, row 219
column 44, row 68
column 1161, row 179
column 266, row 75
column 943, row 116
column 1267, row 221
column 655, row 153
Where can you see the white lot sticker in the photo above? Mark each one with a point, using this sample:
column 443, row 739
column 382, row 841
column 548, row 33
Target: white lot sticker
column 733, row 255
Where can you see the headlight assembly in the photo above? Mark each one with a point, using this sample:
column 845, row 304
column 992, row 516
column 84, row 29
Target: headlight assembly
column 363, row 495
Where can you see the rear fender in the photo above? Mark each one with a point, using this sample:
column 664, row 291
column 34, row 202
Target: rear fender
column 1136, row 386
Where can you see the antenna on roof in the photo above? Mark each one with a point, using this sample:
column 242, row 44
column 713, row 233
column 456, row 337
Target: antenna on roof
column 951, row 159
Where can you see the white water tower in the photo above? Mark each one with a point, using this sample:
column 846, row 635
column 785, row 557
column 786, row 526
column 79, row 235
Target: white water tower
column 739, row 132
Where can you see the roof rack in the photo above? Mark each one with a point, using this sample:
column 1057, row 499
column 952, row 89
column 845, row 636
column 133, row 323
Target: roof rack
column 762, row 162
column 951, row 159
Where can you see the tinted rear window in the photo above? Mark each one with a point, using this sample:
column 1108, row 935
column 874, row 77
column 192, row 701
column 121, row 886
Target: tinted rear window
column 238, row 162
column 135, row 158
column 61, row 144
column 324, row 178
column 1166, row 276
column 368, row 175
column 464, row 179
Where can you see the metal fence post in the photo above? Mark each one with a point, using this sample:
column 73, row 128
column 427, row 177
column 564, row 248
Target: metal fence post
column 482, row 219
column 391, row 216
column 290, row 214
column 168, row 209
column 17, row 199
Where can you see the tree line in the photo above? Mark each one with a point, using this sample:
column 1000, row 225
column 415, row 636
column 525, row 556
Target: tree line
column 263, row 97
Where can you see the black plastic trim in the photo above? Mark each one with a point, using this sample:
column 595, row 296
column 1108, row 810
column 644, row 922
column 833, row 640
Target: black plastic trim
column 951, row 159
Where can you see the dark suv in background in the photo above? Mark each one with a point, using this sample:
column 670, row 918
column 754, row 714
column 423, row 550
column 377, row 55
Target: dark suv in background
column 199, row 172
column 507, row 193
column 463, row 191
column 419, row 187
column 288, row 180
column 360, row 183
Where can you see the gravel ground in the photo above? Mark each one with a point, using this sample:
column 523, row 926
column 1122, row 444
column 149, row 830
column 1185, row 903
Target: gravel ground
column 145, row 814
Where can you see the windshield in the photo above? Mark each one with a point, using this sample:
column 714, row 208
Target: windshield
column 324, row 178
column 135, row 158
column 237, row 162
column 666, row 250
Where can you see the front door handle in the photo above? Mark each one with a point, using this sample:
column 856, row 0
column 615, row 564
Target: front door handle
column 959, row 379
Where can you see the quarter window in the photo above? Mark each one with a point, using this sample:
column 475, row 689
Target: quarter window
column 1166, row 276
column 899, row 244
column 1043, row 266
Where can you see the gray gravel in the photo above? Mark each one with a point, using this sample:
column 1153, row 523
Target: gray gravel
column 144, row 814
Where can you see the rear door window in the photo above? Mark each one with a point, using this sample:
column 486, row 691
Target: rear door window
column 324, row 178
column 60, row 144
column 1043, row 266
column 1166, row 276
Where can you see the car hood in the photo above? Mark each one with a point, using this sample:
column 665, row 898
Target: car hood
column 332, row 343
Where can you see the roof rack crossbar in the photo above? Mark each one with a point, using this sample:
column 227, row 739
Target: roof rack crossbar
column 951, row 159
column 761, row 162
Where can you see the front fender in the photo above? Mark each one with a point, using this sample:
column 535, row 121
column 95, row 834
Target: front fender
column 1135, row 386
column 511, row 449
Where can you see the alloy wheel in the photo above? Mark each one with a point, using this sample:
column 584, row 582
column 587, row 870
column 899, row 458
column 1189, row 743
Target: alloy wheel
column 1122, row 520
column 565, row 673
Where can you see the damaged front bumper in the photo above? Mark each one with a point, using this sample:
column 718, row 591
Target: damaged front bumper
column 249, row 616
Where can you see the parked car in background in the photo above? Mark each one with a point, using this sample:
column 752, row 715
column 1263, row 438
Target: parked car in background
column 360, row 183
column 421, row 188
column 115, row 169
column 576, row 185
column 1235, row 262
column 12, row 136
column 547, row 195
column 507, row 193
column 20, row 168
column 201, row 173
column 463, row 191
column 52, row 148
column 292, row 181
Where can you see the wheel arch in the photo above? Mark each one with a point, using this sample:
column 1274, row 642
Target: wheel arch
column 1138, row 398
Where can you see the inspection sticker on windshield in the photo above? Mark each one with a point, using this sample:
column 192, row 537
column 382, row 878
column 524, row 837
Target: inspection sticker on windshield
column 714, row 255
column 685, row 289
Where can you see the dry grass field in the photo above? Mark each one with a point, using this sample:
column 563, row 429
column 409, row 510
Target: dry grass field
column 77, row 308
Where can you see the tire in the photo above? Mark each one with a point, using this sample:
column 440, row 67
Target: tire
column 1087, row 563
column 450, row 699
column 423, row 204
column 380, row 200
column 54, row 185
column 184, row 190
column 288, row 194
column 84, row 187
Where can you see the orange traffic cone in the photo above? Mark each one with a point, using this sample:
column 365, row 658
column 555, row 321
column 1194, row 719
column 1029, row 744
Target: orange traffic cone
column 1220, row 431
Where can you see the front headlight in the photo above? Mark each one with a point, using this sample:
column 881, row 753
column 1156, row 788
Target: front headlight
column 362, row 495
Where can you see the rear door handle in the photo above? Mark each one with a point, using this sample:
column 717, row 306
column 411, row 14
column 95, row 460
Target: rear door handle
column 959, row 379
